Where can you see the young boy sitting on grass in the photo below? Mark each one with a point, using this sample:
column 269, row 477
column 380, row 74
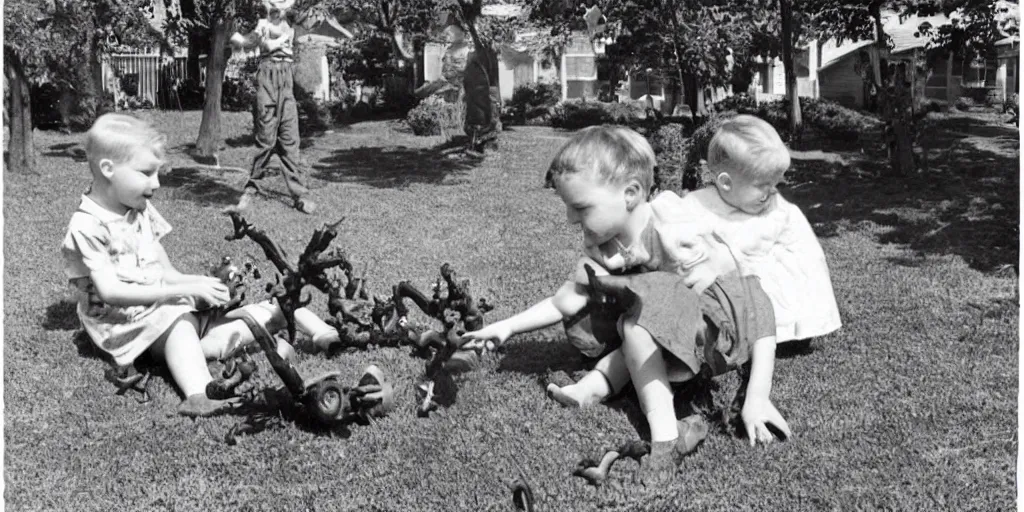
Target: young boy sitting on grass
column 769, row 237
column 131, row 299
column 691, row 312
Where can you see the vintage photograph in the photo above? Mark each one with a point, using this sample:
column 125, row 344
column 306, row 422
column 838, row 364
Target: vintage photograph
column 511, row 255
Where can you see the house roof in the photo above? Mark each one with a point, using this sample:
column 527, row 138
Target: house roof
column 905, row 33
column 847, row 51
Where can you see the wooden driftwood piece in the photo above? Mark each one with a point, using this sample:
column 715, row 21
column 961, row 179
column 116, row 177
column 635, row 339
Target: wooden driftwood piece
column 452, row 304
column 311, row 269
column 596, row 472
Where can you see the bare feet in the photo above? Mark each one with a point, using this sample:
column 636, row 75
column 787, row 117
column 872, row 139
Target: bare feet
column 572, row 396
column 199, row 405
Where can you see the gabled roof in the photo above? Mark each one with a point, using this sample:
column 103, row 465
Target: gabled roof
column 846, row 51
column 905, row 34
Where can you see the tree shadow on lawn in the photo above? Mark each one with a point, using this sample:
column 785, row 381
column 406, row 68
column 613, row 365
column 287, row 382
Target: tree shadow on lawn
column 395, row 166
column 72, row 150
column 189, row 183
column 966, row 203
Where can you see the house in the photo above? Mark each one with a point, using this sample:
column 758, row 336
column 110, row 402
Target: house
column 949, row 78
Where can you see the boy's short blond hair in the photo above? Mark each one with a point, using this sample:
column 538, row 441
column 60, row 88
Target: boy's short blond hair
column 118, row 137
column 615, row 153
column 747, row 145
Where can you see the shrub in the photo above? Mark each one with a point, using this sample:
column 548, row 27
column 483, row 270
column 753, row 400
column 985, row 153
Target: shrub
column 575, row 114
column 314, row 113
column 964, row 103
column 670, row 145
column 238, row 94
column 397, row 99
column 695, row 173
column 434, row 116
column 192, row 93
column 835, row 120
column 45, row 99
column 129, row 83
column 532, row 101
column 828, row 117
column 981, row 96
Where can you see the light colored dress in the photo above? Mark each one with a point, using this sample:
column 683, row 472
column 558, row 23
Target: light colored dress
column 124, row 247
column 779, row 247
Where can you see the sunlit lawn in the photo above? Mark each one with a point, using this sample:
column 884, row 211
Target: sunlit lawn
column 910, row 406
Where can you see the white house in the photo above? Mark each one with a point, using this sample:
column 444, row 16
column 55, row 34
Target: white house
column 830, row 70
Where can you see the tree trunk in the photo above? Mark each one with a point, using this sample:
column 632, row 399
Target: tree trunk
column 209, row 140
column 197, row 41
column 894, row 106
column 92, row 90
column 22, row 157
column 795, row 121
column 690, row 92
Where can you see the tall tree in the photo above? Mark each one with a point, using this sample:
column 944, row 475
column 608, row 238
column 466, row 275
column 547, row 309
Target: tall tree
column 24, row 57
column 789, row 66
column 61, row 41
column 690, row 41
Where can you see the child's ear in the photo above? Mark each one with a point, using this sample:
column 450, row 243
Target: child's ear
column 106, row 168
column 634, row 195
column 723, row 181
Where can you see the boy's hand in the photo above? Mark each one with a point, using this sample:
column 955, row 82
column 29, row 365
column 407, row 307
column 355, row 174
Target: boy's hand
column 757, row 414
column 495, row 334
column 210, row 293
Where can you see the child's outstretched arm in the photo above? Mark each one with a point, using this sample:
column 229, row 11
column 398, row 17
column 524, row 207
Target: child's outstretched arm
column 758, row 411
column 567, row 301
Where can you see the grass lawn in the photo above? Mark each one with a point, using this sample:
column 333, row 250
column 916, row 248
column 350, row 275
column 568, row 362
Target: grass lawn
column 910, row 406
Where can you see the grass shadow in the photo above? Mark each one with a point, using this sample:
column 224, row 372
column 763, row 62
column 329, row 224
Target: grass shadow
column 394, row 167
column 61, row 316
column 794, row 348
column 72, row 150
column 241, row 141
column 967, row 203
column 189, row 183
column 539, row 357
column 87, row 349
column 273, row 408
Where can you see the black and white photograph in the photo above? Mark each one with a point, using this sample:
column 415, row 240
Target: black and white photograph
column 511, row 255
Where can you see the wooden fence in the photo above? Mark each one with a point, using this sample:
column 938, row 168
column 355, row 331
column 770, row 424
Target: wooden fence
column 154, row 74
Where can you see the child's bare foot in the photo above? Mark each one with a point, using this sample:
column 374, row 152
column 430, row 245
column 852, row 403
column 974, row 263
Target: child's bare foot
column 572, row 396
column 199, row 405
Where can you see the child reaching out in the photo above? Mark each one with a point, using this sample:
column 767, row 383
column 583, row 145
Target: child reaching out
column 769, row 237
column 692, row 311
column 131, row 299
